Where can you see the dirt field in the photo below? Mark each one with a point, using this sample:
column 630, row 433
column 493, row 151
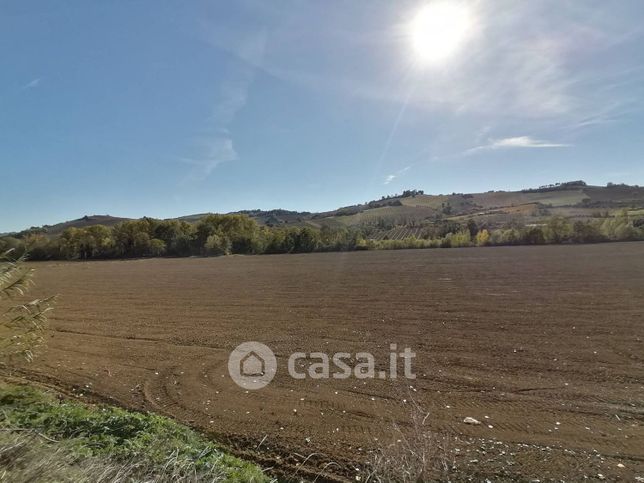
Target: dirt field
column 543, row 345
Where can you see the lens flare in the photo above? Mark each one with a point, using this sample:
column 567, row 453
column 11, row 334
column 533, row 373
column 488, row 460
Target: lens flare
column 439, row 29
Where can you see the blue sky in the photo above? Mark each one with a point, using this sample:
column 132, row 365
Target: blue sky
column 170, row 108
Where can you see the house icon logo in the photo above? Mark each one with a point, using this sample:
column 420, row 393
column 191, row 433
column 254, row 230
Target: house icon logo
column 252, row 365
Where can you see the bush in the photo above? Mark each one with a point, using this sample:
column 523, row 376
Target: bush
column 532, row 235
column 587, row 232
column 483, row 238
column 460, row 239
column 557, row 230
column 415, row 453
column 218, row 245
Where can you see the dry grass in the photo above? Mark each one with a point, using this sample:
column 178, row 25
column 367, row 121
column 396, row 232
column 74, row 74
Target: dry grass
column 415, row 454
column 27, row 457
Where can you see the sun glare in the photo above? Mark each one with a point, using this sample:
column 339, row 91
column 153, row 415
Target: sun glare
column 439, row 29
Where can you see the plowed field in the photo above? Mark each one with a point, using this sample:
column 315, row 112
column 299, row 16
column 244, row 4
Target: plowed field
column 543, row 345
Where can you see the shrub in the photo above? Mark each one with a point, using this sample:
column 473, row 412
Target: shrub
column 483, row 238
column 218, row 245
column 460, row 239
column 587, row 232
column 557, row 230
column 415, row 454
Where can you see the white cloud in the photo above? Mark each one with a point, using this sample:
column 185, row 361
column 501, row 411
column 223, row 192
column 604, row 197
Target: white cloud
column 216, row 146
column 31, row 84
column 524, row 142
column 217, row 150
column 389, row 178
column 516, row 142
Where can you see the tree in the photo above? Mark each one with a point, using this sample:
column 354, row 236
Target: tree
column 241, row 230
column 472, row 227
column 557, row 230
column 588, row 232
column 22, row 325
column 532, row 235
column 42, row 248
column 459, row 239
column 483, row 238
column 157, row 247
column 101, row 241
column 177, row 235
column 132, row 237
column 141, row 244
column 307, row 240
column 217, row 245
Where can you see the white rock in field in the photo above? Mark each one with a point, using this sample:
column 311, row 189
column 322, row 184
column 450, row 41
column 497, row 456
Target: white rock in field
column 470, row 420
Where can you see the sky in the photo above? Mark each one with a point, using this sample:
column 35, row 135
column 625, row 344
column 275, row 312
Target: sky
column 165, row 108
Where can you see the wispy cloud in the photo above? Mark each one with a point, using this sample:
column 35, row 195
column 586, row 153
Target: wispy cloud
column 31, row 84
column 217, row 146
column 389, row 178
column 216, row 151
column 506, row 72
column 516, row 142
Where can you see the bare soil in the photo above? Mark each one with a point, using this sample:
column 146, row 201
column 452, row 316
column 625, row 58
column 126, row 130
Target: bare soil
column 543, row 345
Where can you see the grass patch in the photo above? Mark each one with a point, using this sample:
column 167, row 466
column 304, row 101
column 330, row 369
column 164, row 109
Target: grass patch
column 114, row 442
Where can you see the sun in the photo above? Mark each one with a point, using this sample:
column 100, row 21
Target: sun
column 438, row 30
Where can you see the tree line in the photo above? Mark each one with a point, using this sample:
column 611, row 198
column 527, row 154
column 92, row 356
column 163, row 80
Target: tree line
column 210, row 236
column 556, row 230
column 216, row 235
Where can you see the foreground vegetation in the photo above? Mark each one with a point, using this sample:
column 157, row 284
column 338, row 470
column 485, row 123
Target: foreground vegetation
column 239, row 234
column 43, row 438
column 21, row 325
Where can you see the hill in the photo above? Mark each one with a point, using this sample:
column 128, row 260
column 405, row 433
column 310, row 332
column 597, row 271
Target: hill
column 413, row 209
column 574, row 200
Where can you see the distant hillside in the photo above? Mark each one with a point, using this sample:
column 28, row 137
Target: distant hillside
column 87, row 220
column 413, row 208
column 574, row 200
column 270, row 217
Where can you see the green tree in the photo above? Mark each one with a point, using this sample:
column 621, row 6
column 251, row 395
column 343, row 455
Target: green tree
column 218, row 245
column 132, row 237
column 532, row 235
column 587, row 232
column 141, row 244
column 242, row 231
column 557, row 230
column 102, row 242
column 307, row 240
column 157, row 247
